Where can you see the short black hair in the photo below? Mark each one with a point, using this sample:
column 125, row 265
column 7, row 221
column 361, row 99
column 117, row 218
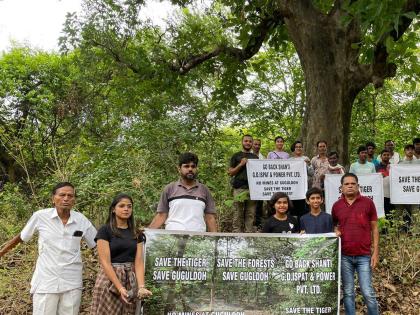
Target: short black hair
column 61, row 185
column 389, row 141
column 313, row 191
column 278, row 137
column 321, row 141
column 188, row 157
column 349, row 175
column 361, row 148
column 247, row 135
column 292, row 148
column 416, row 140
column 333, row 153
column 385, row 150
column 409, row 146
column 371, row 144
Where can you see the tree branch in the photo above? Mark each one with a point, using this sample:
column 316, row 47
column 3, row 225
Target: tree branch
column 258, row 36
column 116, row 56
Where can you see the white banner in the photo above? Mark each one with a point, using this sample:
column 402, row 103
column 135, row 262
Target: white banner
column 266, row 177
column 405, row 183
column 371, row 185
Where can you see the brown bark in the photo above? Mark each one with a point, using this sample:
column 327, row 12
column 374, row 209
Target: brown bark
column 332, row 75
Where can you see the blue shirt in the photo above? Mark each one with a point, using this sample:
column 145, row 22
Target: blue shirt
column 321, row 223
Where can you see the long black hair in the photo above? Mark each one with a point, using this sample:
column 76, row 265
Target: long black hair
column 276, row 196
column 112, row 220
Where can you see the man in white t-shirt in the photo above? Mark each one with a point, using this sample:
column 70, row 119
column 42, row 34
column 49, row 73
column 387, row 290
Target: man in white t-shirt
column 56, row 284
column 186, row 204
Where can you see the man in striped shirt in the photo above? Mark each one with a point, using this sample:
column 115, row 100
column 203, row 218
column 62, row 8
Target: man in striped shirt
column 186, row 204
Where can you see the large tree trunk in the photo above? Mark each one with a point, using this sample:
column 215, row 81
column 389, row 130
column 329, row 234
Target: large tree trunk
column 327, row 58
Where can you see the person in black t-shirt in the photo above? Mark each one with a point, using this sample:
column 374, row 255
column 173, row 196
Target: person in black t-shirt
column 281, row 221
column 243, row 220
column 120, row 281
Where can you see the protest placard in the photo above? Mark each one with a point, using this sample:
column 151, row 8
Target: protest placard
column 266, row 177
column 405, row 183
column 239, row 274
column 371, row 185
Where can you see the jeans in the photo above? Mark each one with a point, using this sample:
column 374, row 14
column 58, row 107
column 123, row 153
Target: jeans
column 360, row 264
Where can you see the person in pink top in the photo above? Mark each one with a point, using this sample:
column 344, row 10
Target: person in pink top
column 278, row 153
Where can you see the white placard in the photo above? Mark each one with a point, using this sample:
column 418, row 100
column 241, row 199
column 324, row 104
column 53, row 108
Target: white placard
column 405, row 184
column 371, row 185
column 266, row 177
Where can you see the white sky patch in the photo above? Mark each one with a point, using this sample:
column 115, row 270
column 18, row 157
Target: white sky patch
column 38, row 23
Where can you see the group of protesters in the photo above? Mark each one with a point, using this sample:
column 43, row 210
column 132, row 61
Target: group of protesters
column 187, row 205
column 353, row 216
column 249, row 214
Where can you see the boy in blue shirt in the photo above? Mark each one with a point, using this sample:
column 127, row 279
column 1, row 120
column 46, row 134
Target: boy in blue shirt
column 316, row 221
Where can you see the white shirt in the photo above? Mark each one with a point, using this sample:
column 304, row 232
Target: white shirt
column 186, row 215
column 59, row 264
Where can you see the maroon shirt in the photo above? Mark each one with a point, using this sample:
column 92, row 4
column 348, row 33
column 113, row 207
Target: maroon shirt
column 354, row 222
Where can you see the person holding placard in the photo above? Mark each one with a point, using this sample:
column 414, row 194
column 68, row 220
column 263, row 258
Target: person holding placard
column 383, row 168
column 299, row 205
column 278, row 153
column 244, row 216
column 409, row 158
column 362, row 165
column 316, row 221
column 356, row 219
column 259, row 212
column 281, row 221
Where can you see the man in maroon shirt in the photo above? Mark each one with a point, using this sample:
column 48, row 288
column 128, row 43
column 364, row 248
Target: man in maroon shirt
column 355, row 219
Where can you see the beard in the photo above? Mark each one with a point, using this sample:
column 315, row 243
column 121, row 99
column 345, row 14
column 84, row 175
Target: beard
column 190, row 176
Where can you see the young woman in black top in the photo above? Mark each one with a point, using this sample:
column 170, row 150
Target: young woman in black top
column 281, row 221
column 120, row 281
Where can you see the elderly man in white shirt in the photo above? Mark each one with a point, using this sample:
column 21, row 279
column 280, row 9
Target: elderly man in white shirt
column 57, row 281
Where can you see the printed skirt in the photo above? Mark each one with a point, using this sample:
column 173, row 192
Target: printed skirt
column 106, row 298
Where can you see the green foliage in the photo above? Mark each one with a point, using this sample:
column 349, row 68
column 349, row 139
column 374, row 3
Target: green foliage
column 15, row 207
column 377, row 113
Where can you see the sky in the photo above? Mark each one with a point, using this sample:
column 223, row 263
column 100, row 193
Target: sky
column 38, row 23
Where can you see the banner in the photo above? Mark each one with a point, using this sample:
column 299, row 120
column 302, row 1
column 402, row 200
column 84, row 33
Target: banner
column 371, row 185
column 266, row 177
column 405, row 184
column 241, row 274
